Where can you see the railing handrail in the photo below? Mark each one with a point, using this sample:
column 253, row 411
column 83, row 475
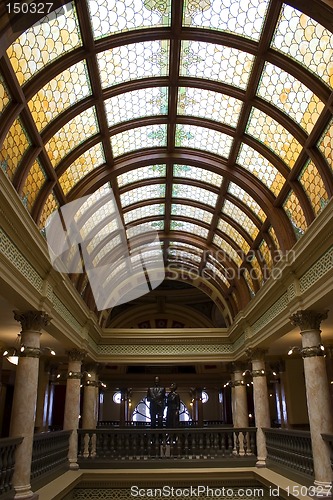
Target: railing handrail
column 50, row 434
column 327, row 437
column 159, row 430
column 9, row 441
column 287, row 432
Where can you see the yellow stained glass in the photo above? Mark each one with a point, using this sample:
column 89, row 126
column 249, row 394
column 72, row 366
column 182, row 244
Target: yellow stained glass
column 13, row 148
column 306, row 41
column 60, row 93
column 266, row 254
column 229, row 230
column 51, row 204
column 84, row 164
column 295, row 213
column 274, row 136
column 192, row 136
column 326, row 145
column 118, row 16
column 256, row 270
column 240, row 218
column 290, row 95
column 314, row 187
column 77, row 130
column 249, row 282
column 234, row 255
column 33, row 184
column 208, row 104
column 242, row 17
column 45, row 41
column 272, row 234
column 134, row 61
column 4, row 95
column 242, row 195
column 136, row 138
column 259, row 166
column 235, row 299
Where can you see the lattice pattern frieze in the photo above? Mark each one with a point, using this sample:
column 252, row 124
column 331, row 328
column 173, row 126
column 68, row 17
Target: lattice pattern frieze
column 271, row 313
column 164, row 349
column 317, row 271
column 65, row 314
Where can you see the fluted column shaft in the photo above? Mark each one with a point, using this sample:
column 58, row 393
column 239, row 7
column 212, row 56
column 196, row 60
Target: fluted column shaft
column 241, row 413
column 317, row 394
column 25, row 397
column 72, row 403
column 89, row 415
column 41, row 423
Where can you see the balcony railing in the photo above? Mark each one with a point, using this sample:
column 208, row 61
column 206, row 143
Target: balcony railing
column 328, row 438
column 7, row 463
column 103, row 424
column 291, row 450
column 117, row 445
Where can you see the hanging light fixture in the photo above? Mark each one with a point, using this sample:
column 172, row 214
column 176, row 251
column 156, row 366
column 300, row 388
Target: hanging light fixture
column 12, row 354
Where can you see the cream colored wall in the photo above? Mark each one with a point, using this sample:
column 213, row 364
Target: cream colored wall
column 295, row 393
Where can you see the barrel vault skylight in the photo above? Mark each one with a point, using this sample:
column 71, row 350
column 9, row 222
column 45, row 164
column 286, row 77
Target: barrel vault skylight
column 210, row 120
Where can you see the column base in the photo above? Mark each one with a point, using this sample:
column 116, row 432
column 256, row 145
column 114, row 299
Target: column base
column 261, row 463
column 322, row 489
column 25, row 492
column 74, row 466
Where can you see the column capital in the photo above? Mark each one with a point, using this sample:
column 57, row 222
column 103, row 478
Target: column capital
column 76, row 355
column 32, row 320
column 256, row 353
column 237, row 367
column 308, row 320
column 92, row 367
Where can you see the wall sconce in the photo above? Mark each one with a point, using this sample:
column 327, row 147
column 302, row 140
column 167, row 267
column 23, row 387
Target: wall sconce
column 12, row 354
column 308, row 351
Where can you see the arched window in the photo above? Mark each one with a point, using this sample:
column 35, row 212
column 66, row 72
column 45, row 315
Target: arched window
column 141, row 412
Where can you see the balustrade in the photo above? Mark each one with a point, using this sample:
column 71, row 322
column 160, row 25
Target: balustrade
column 149, row 444
column 329, row 439
column 7, row 462
column 49, row 453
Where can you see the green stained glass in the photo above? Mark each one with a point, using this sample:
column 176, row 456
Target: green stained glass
column 194, row 193
column 45, row 41
column 60, row 93
column 138, row 138
column 326, row 145
column 13, row 148
column 192, row 212
column 4, row 95
column 51, row 204
column 88, row 161
column 77, row 130
column 259, row 166
column 141, row 173
column 34, row 182
column 215, row 62
column 142, row 193
column 240, row 218
column 229, row 230
column 192, row 136
column 137, row 104
column 306, row 41
column 118, row 16
column 188, row 227
column 134, row 61
column 290, row 95
column 242, row 195
column 208, row 104
column 243, row 18
column 274, row 136
column 197, row 173
column 314, row 187
column 144, row 212
column 146, row 227
column 234, row 255
column 295, row 213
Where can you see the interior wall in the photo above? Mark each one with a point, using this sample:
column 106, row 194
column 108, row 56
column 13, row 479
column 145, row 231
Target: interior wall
column 295, row 393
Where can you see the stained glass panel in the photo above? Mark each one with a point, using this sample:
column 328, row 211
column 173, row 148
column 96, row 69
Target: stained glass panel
column 228, row 249
column 258, row 165
column 229, row 230
column 33, row 183
column 266, row 254
column 274, row 136
column 194, row 193
column 197, row 173
column 103, row 191
column 240, row 218
column 306, row 41
column 256, row 271
column 106, row 211
column 243, row 18
column 215, row 62
column 208, row 104
column 88, row 161
column 191, row 136
column 326, row 145
column 192, row 212
column 137, row 138
column 295, row 213
column 104, row 234
column 142, row 193
column 290, row 95
column 217, row 274
column 242, row 195
column 60, row 93
column 134, row 61
column 4, row 95
column 272, row 234
column 144, row 212
column 13, row 148
column 137, row 104
column 141, row 173
column 249, row 282
column 107, row 248
column 44, row 42
column 77, row 130
column 182, row 255
column 146, row 227
column 188, row 246
column 188, row 227
column 51, row 204
column 314, row 187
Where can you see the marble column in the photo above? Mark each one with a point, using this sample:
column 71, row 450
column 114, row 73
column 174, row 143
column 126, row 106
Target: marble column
column 41, row 422
column 89, row 412
column 72, row 402
column 240, row 409
column 317, row 395
column 198, row 405
column 25, row 396
column 261, row 403
column 329, row 368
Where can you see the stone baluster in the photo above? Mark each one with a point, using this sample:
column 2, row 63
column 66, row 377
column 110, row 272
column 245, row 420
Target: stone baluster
column 72, row 402
column 25, row 397
column 317, row 395
column 261, row 403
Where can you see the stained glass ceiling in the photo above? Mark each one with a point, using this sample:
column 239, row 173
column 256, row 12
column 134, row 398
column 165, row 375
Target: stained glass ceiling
column 210, row 120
